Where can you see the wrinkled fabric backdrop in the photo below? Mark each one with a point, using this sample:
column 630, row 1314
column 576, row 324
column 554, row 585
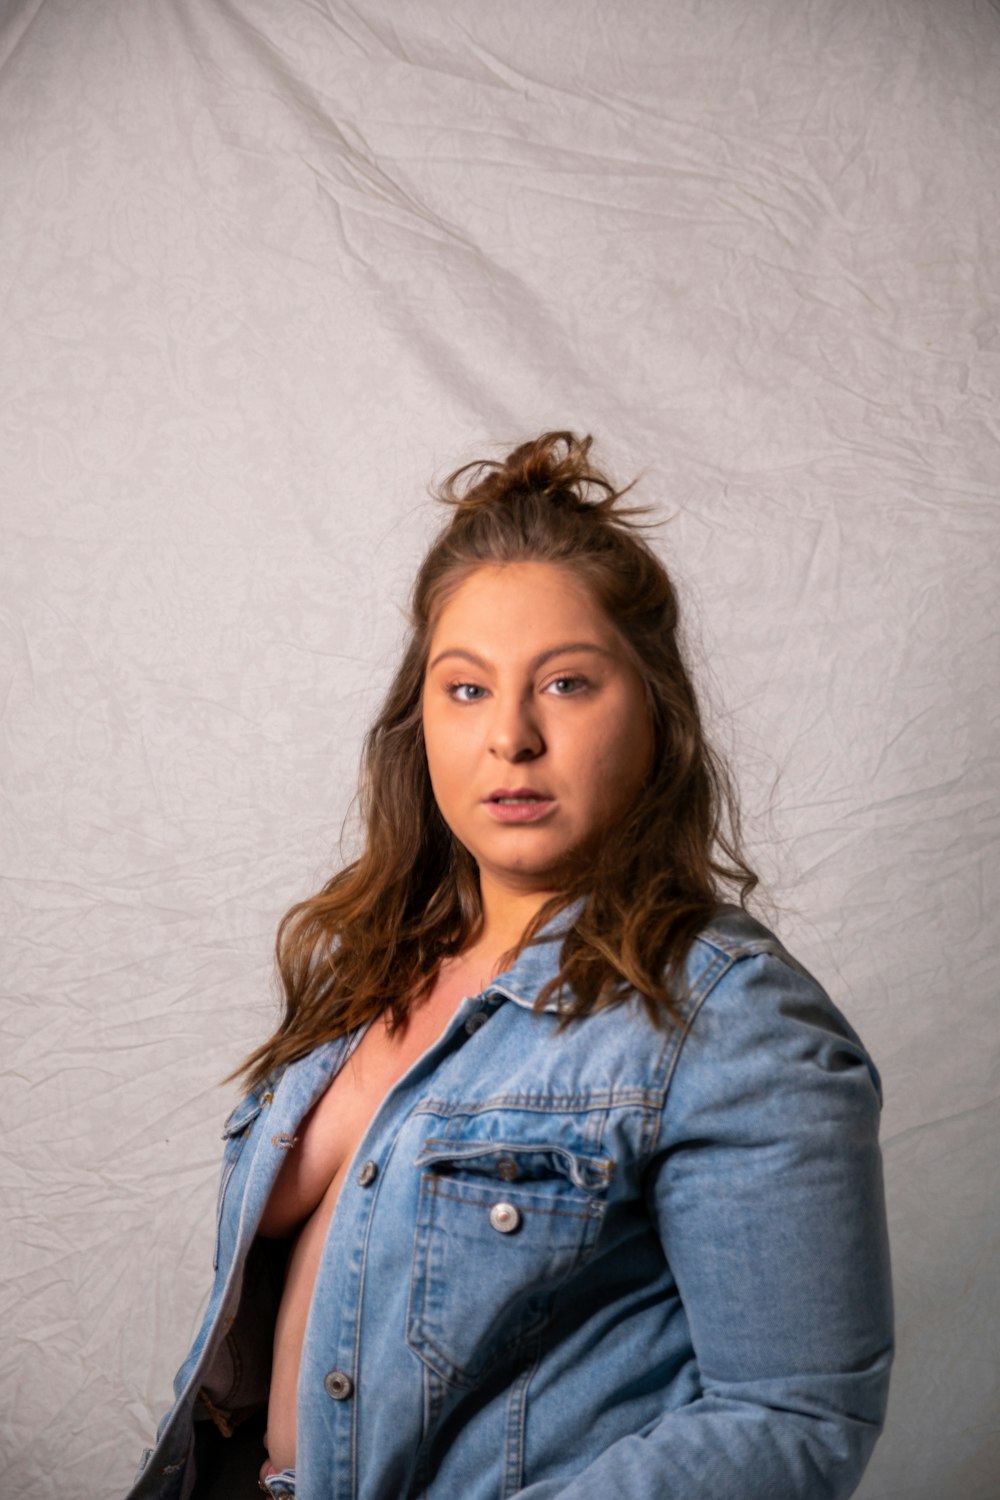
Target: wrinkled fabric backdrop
column 269, row 268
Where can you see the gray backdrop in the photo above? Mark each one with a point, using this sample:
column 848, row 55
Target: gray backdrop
column 265, row 269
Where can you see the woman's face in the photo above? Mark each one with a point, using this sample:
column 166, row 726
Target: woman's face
column 535, row 723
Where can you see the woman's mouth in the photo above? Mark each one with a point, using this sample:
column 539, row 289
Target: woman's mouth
column 518, row 805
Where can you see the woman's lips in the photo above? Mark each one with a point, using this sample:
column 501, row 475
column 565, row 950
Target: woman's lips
column 519, row 805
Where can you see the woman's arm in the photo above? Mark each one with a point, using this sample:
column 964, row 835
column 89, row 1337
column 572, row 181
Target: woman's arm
column 766, row 1189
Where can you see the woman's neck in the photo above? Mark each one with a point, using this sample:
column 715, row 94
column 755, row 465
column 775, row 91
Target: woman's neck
column 506, row 915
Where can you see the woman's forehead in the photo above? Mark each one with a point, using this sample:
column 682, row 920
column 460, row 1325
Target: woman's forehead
column 512, row 606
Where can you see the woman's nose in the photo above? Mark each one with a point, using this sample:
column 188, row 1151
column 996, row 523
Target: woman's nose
column 515, row 732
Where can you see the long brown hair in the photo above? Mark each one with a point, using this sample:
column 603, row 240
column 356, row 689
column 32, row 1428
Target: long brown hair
column 374, row 938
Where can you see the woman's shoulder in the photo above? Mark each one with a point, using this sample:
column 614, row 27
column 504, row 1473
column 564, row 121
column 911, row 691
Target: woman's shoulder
column 735, row 933
column 755, row 1017
column 735, row 951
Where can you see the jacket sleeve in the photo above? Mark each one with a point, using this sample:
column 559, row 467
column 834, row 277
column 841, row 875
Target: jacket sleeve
column 766, row 1190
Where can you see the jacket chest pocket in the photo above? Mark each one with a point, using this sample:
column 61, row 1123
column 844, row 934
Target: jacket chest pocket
column 500, row 1227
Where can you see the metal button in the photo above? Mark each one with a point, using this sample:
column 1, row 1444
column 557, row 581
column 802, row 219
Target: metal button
column 505, row 1218
column 367, row 1173
column 338, row 1385
column 475, row 1021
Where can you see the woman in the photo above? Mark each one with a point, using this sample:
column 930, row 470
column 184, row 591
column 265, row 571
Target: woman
column 559, row 1177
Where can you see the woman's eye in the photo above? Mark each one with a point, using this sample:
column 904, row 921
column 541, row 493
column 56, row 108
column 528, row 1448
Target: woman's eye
column 466, row 692
column 562, row 687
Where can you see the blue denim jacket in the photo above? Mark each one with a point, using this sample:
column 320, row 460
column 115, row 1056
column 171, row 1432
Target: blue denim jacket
column 608, row 1261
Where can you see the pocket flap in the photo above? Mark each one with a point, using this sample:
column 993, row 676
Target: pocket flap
column 518, row 1161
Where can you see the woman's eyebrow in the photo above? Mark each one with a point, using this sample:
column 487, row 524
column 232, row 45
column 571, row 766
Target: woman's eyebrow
column 566, row 647
column 536, row 661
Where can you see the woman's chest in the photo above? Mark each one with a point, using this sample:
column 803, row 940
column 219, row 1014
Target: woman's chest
column 329, row 1135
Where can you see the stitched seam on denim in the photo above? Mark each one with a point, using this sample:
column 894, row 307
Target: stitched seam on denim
column 648, row 1133
column 705, row 982
column 592, row 1211
column 371, row 1200
column 434, row 1391
column 434, row 1357
column 227, row 1173
column 747, row 947
column 517, row 1403
column 708, row 980
column 545, row 1104
column 473, row 1150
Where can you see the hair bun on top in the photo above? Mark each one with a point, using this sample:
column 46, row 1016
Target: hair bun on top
column 555, row 465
